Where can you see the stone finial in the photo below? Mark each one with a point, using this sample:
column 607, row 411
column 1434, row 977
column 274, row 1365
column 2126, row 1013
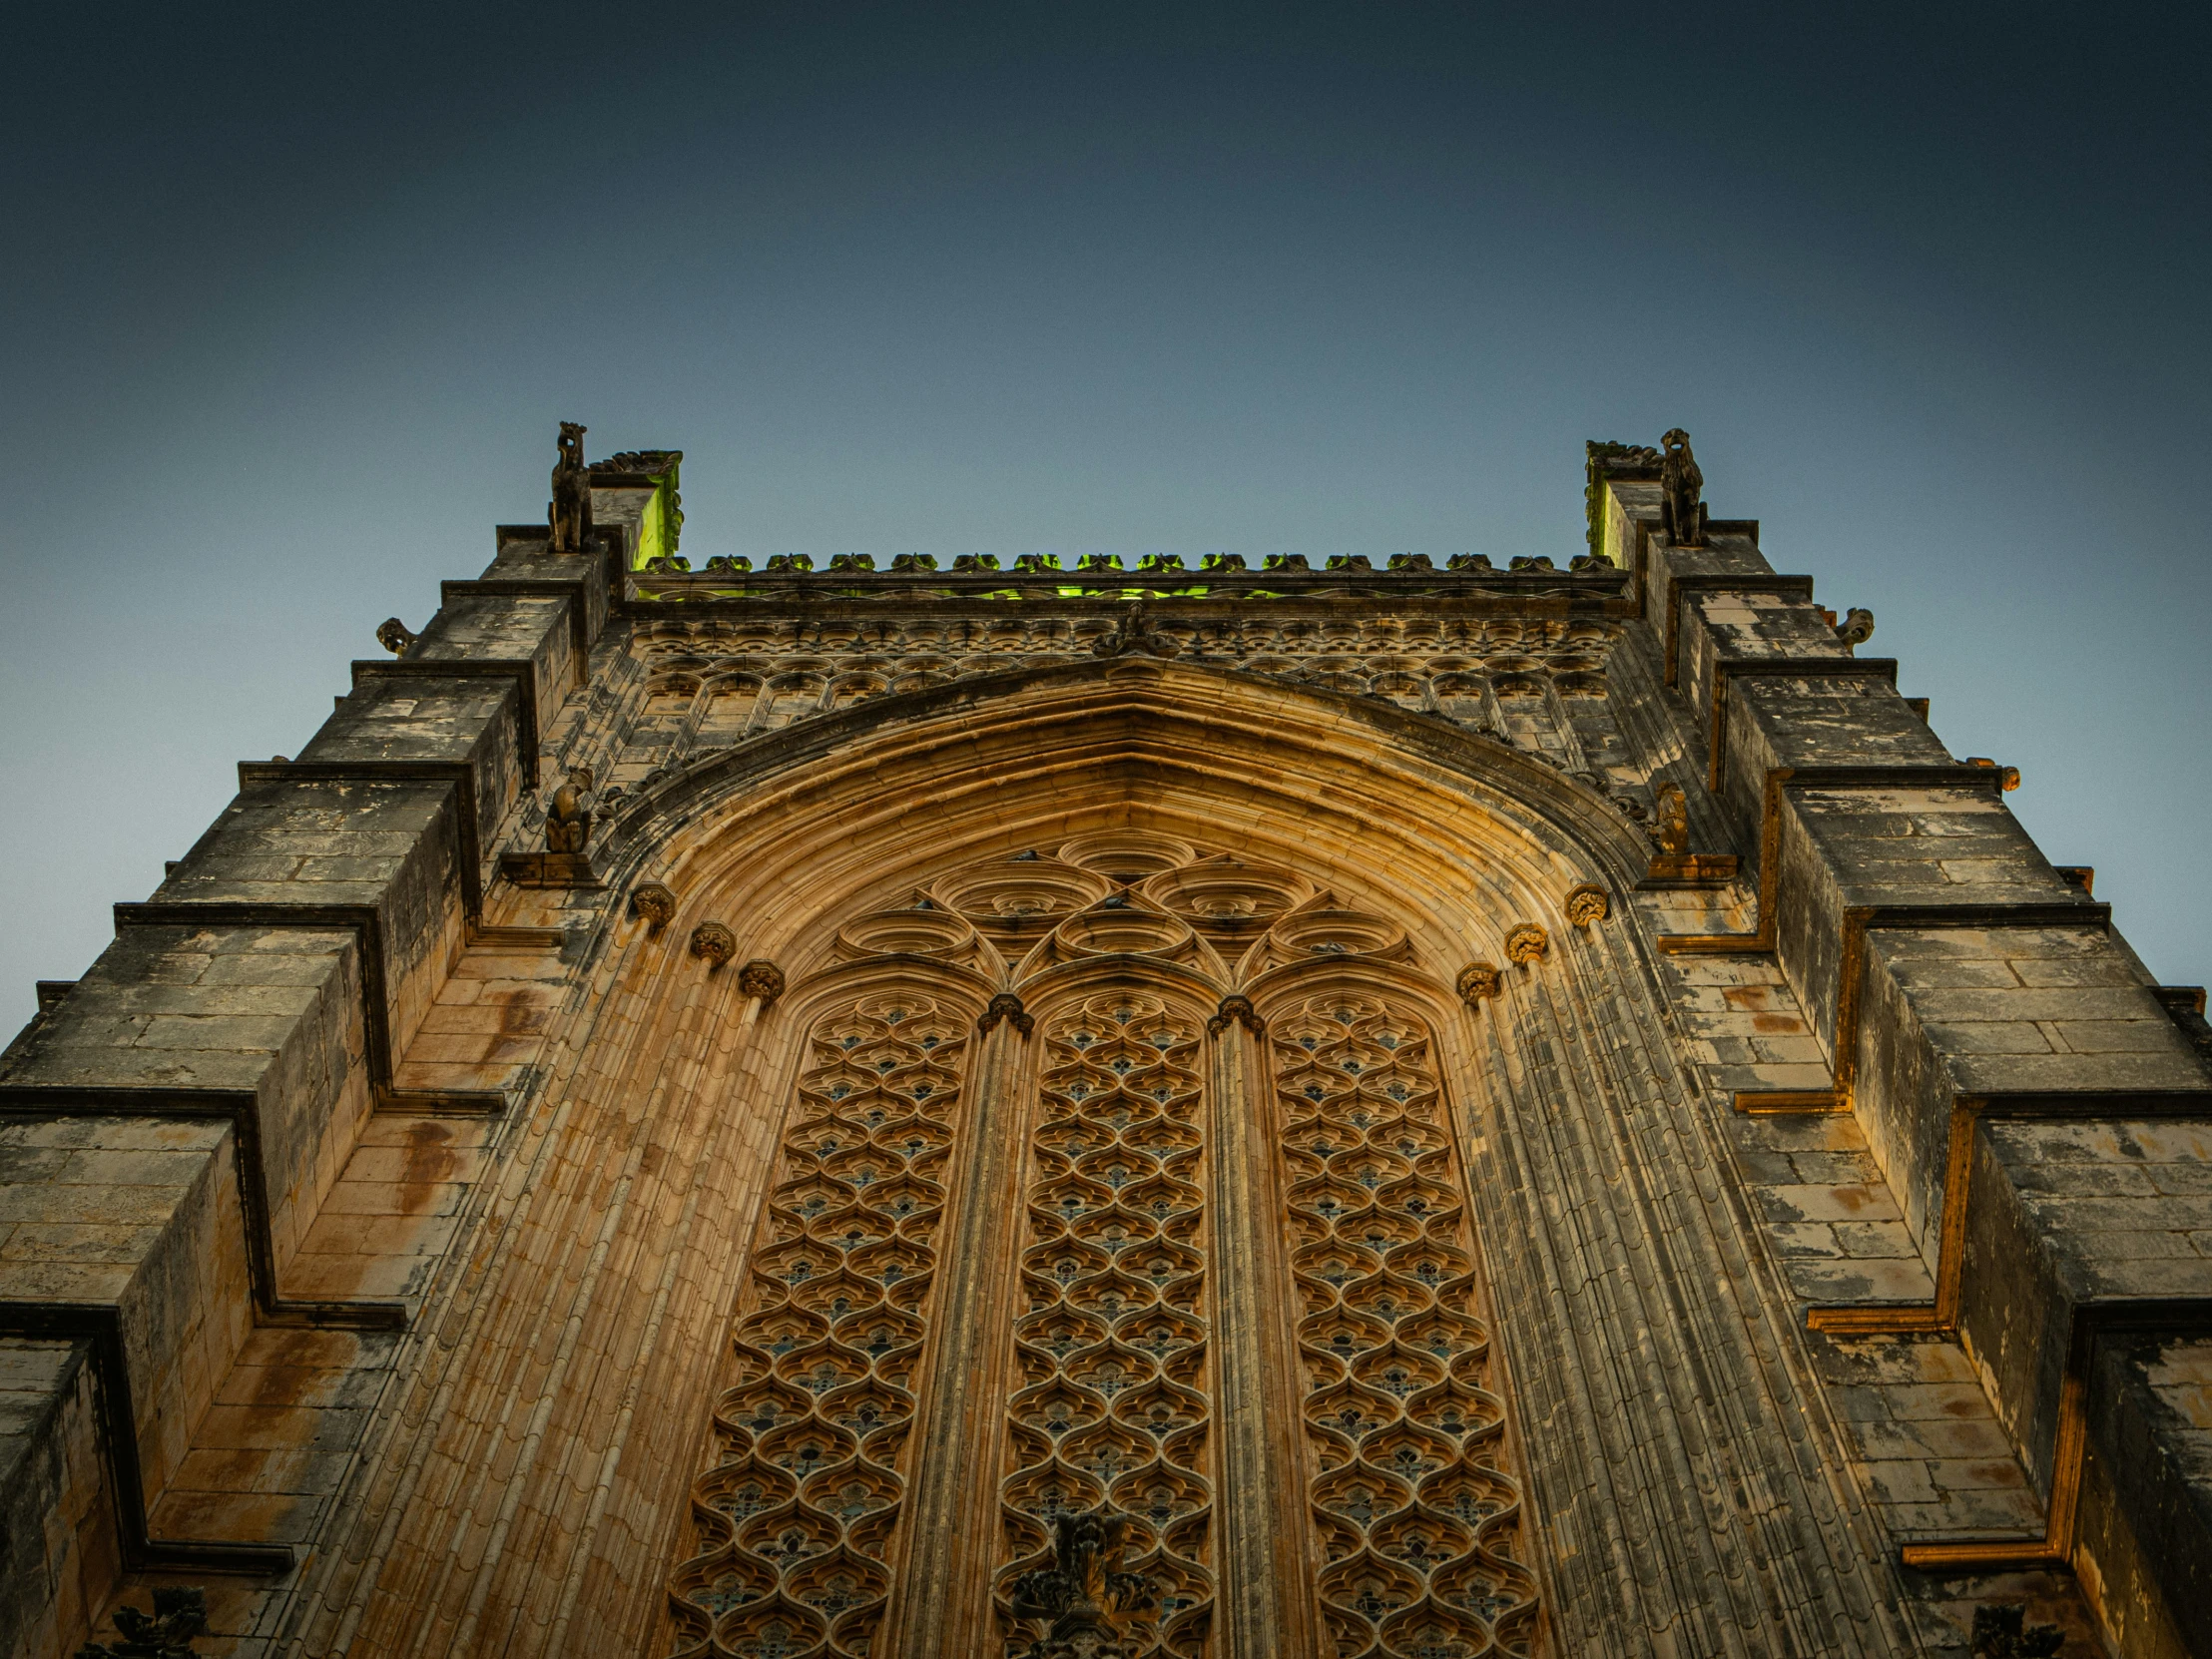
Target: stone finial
column 1671, row 828
column 1526, row 943
column 1588, row 903
column 1236, row 1010
column 568, row 516
column 179, row 1616
column 1478, row 983
column 395, row 636
column 2004, row 1633
column 760, row 979
column 1084, row 1599
column 568, row 813
column 1006, row 1006
column 1856, row 628
column 1683, row 487
column 654, row 901
column 714, row 943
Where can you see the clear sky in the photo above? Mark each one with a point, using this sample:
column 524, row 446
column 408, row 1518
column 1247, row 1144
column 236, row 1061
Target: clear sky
column 294, row 297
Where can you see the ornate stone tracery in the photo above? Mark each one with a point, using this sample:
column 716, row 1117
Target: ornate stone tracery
column 796, row 1515
column 1137, row 962
column 1417, row 1516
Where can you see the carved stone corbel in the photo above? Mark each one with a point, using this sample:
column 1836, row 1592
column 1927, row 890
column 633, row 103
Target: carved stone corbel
column 1587, row 903
column 1236, row 1010
column 1478, row 983
column 714, row 943
column 655, row 903
column 1006, row 1006
column 760, row 979
column 1527, row 944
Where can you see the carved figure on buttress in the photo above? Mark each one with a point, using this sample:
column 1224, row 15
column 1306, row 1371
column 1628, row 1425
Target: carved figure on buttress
column 1084, row 1597
column 568, row 813
column 1684, row 488
column 569, row 515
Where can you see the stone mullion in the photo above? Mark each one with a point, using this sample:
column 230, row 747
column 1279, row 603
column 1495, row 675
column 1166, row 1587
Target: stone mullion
column 1265, row 1607
column 951, row 1528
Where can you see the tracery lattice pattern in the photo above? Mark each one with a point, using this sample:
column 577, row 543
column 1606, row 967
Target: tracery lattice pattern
column 1417, row 1518
column 1113, row 1397
column 797, row 1515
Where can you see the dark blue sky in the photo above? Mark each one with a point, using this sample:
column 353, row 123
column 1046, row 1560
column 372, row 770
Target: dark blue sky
column 293, row 299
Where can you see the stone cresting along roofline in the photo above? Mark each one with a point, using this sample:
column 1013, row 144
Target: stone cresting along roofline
column 1031, row 580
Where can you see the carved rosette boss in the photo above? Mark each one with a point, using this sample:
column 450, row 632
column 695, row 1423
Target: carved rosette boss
column 714, row 943
column 1527, row 944
column 1588, row 903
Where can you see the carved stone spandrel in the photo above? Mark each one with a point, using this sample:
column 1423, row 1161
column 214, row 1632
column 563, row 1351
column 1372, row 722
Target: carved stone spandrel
column 655, row 901
column 763, row 980
column 1588, row 903
column 1527, row 944
column 714, row 943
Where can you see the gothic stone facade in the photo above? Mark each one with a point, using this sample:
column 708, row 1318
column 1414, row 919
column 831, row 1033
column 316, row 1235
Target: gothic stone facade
column 996, row 1111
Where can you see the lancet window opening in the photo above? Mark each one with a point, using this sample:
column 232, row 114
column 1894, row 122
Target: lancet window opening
column 1113, row 1405
column 1116, row 1358
column 1416, row 1514
column 796, row 1517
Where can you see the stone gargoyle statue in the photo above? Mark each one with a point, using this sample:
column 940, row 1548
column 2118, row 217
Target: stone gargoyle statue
column 569, row 515
column 568, row 813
